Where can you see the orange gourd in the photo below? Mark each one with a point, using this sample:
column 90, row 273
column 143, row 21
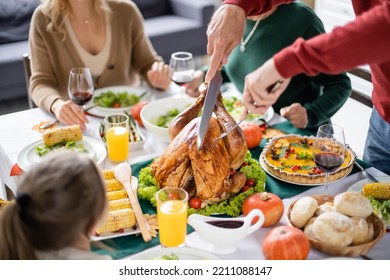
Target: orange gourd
column 286, row 243
column 252, row 134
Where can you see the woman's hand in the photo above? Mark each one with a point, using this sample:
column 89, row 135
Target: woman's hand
column 192, row 89
column 69, row 113
column 297, row 115
column 159, row 75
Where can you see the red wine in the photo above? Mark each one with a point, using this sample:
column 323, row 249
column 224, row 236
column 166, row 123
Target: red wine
column 181, row 79
column 226, row 224
column 81, row 97
column 328, row 162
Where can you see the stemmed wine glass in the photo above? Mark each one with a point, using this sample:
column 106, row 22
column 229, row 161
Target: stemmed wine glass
column 80, row 86
column 329, row 149
column 183, row 67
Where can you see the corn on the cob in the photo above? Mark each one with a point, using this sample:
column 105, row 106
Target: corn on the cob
column 113, row 195
column 117, row 204
column 377, row 190
column 60, row 134
column 118, row 220
column 108, row 174
column 113, row 185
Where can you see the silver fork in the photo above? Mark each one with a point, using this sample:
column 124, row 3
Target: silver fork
column 242, row 118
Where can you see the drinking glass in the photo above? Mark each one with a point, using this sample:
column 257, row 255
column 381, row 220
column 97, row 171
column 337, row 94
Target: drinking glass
column 117, row 137
column 80, row 86
column 183, row 67
column 329, row 149
column 172, row 216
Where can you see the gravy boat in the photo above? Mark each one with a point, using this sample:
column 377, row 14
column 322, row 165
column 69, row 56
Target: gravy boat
column 223, row 234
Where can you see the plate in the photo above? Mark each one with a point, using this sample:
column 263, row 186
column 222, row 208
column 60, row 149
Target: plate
column 295, row 183
column 102, row 111
column 27, row 157
column 130, row 231
column 358, row 186
column 183, row 253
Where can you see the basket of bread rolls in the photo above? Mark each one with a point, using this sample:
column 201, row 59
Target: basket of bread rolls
column 344, row 225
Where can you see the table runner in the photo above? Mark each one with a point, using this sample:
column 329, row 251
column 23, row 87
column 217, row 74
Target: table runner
column 127, row 245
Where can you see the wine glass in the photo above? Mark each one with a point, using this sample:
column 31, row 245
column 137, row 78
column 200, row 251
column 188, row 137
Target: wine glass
column 329, row 149
column 183, row 67
column 80, row 86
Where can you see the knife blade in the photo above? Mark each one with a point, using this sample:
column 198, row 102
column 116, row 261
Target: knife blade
column 365, row 173
column 208, row 107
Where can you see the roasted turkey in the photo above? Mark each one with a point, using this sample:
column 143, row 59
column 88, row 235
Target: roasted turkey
column 206, row 173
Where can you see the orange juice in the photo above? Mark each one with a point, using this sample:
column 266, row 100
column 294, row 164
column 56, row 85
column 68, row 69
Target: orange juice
column 118, row 143
column 172, row 221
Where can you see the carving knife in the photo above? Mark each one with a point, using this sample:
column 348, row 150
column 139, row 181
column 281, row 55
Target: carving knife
column 209, row 105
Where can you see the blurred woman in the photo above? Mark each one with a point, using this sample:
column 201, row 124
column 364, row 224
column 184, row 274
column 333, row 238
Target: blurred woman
column 106, row 36
column 58, row 205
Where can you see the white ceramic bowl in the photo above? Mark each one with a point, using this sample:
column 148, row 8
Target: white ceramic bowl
column 154, row 109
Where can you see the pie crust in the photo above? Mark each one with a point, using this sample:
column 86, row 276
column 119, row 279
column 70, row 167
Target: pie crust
column 299, row 169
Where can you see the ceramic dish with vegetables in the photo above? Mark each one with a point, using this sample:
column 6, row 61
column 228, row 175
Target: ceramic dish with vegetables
column 136, row 138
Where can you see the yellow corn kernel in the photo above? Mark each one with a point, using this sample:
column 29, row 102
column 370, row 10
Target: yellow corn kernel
column 108, row 174
column 117, row 204
column 377, row 190
column 118, row 220
column 113, row 185
column 113, row 195
column 60, row 134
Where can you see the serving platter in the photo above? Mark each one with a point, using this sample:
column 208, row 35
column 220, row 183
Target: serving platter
column 99, row 111
column 28, row 157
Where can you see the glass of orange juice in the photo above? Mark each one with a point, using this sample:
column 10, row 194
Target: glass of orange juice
column 172, row 216
column 117, row 137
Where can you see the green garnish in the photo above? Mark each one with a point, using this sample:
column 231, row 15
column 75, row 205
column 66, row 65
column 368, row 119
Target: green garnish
column 70, row 145
column 109, row 99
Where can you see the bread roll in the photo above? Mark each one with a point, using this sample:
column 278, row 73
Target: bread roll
column 334, row 229
column 325, row 208
column 308, row 230
column 302, row 211
column 363, row 231
column 353, row 204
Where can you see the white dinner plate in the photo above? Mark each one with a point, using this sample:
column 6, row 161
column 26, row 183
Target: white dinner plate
column 358, row 186
column 27, row 157
column 294, row 183
column 182, row 253
column 102, row 111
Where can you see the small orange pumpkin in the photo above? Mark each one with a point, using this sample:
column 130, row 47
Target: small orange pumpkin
column 252, row 134
column 286, row 243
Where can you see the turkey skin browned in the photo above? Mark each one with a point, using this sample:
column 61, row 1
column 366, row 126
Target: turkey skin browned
column 206, row 173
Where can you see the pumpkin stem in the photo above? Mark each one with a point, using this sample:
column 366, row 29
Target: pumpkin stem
column 264, row 196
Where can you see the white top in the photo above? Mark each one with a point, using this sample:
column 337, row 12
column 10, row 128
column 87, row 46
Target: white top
column 96, row 63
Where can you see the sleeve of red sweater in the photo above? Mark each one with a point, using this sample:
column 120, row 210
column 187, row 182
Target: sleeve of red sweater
column 256, row 7
column 365, row 40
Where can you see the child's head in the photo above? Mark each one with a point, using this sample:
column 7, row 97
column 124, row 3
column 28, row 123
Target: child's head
column 58, row 201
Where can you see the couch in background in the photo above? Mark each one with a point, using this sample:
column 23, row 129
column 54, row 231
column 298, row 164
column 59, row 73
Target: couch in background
column 172, row 25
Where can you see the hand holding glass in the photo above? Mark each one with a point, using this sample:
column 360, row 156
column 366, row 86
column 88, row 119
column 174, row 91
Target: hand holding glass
column 329, row 149
column 117, row 137
column 80, row 86
column 183, row 67
column 172, row 216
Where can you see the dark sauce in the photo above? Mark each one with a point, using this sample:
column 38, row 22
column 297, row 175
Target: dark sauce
column 226, row 224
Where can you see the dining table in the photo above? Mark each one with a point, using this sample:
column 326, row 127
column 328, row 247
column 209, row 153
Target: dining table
column 16, row 132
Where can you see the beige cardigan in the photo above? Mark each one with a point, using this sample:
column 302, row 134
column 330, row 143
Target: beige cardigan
column 51, row 58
